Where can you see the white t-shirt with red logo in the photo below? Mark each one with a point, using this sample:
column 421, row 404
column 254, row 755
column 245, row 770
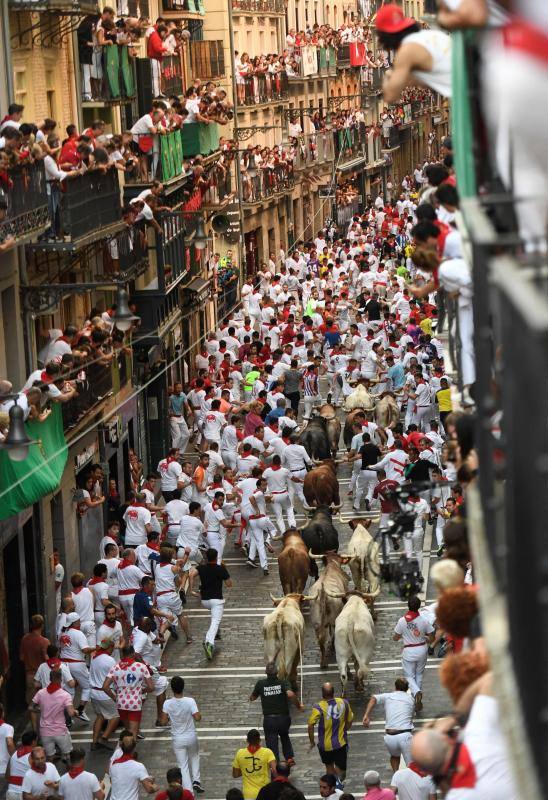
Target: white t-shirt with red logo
column 72, row 644
column 170, row 472
column 136, row 517
column 81, row 787
column 129, row 679
column 413, row 630
column 213, row 423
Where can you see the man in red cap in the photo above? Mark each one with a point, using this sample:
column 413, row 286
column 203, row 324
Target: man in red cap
column 422, row 55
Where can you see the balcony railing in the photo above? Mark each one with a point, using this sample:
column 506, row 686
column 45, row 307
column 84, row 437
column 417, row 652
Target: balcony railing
column 155, row 308
column 392, row 140
column 184, row 6
column 199, row 138
column 266, row 183
column 25, row 194
column 314, row 149
column 96, row 382
column 349, row 143
column 266, row 88
column 259, row 6
column 207, row 59
column 160, row 157
column 171, row 75
column 88, row 203
column 133, row 8
column 118, row 82
column 343, row 56
column 313, row 61
column 220, row 189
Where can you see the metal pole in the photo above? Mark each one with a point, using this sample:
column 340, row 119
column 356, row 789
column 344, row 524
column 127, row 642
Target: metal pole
column 241, row 245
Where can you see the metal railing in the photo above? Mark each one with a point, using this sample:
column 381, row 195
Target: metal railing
column 220, row 188
column 259, row 6
column 317, row 148
column 313, row 61
column 207, row 59
column 171, row 75
column 94, row 383
column 263, row 88
column 343, row 56
column 88, row 203
column 190, row 6
column 25, row 194
column 118, row 80
column 266, row 183
column 349, row 143
column 160, row 157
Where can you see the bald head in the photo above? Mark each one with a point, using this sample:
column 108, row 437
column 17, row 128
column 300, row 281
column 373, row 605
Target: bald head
column 447, row 574
column 328, row 691
column 430, row 749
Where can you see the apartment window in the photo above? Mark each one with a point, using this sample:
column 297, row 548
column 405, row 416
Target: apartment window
column 50, row 94
column 335, row 20
column 20, row 86
column 297, row 24
column 315, row 13
column 306, row 12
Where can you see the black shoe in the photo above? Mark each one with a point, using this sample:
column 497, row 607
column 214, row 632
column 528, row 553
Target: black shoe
column 173, row 633
column 266, row 572
column 141, row 736
column 182, row 595
column 198, row 787
column 218, row 637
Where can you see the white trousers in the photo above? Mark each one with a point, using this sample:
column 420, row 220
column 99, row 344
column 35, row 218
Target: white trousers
column 399, row 744
column 356, row 469
column 297, row 485
column 217, row 540
column 88, row 629
column 466, row 335
column 281, row 503
column 156, row 76
column 187, row 754
column 126, row 604
column 229, row 458
column 413, row 662
column 422, row 417
column 86, row 82
column 310, row 401
column 367, row 480
column 80, row 673
column 180, row 434
column 217, row 608
column 256, row 529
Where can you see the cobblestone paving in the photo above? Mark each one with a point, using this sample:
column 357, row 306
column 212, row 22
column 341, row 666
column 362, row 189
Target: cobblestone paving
column 222, row 687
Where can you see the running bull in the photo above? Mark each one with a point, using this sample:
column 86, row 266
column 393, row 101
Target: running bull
column 326, row 602
column 283, row 633
column 354, row 639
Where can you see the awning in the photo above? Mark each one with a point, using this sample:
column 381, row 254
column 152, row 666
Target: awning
column 199, row 290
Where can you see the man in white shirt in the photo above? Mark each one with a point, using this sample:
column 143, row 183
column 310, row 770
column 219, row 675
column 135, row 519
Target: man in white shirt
column 111, row 561
column 216, row 524
column 278, row 485
column 213, row 423
column 399, row 710
column 111, row 630
column 182, row 712
column 412, row 783
column 416, row 633
column 174, row 511
column 127, row 775
column 129, row 582
column 84, row 606
column 171, row 474
column 296, row 460
column 42, row 779
column 7, row 745
column 77, row 783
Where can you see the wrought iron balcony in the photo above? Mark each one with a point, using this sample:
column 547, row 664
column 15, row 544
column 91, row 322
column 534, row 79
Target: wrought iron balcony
column 266, row 88
column 318, row 148
column 184, row 6
column 25, row 194
column 160, row 157
column 96, row 382
column 268, row 183
column 207, row 59
column 258, row 6
column 220, row 190
column 118, row 84
column 343, row 56
column 349, row 144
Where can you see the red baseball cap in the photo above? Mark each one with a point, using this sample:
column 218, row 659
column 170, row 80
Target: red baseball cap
column 390, row 19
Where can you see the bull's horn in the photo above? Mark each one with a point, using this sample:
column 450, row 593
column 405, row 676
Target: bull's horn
column 370, row 595
column 304, row 526
column 316, row 461
column 336, row 595
column 308, row 508
column 275, row 599
column 336, row 508
column 346, row 555
column 308, row 597
column 339, row 460
column 313, row 555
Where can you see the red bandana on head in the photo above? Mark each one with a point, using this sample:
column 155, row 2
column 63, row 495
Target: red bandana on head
column 53, row 687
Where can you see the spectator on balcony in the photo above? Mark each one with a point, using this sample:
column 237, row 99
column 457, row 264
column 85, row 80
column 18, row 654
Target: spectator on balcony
column 420, row 54
column 54, row 178
column 156, row 49
column 85, row 34
column 13, row 117
column 145, row 134
column 95, row 131
column 45, row 131
column 58, row 344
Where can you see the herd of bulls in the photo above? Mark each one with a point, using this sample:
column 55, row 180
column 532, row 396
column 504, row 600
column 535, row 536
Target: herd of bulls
column 342, row 618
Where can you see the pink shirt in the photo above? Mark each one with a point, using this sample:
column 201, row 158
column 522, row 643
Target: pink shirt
column 379, row 794
column 52, row 711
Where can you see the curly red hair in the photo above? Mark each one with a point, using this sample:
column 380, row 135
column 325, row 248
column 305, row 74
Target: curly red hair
column 459, row 671
column 456, row 608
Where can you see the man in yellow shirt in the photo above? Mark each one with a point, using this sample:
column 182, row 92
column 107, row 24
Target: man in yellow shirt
column 254, row 764
column 445, row 403
column 334, row 717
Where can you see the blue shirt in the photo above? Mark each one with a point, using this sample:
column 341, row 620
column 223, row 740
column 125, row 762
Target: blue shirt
column 397, row 376
column 142, row 603
column 177, row 403
column 276, row 413
column 332, row 338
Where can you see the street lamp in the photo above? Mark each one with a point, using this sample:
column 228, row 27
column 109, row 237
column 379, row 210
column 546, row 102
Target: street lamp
column 200, row 240
column 17, row 442
column 123, row 318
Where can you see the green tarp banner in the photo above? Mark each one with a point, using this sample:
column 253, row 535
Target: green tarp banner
column 44, row 478
column 461, row 116
column 127, row 72
column 171, row 151
column 112, row 65
column 199, row 138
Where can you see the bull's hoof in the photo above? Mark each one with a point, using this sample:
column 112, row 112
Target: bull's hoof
column 324, row 664
column 358, row 686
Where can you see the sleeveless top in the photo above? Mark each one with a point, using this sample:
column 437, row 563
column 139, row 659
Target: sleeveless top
column 438, row 45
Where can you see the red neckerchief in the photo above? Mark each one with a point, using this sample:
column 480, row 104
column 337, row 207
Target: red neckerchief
column 100, row 652
column 96, row 579
column 124, row 563
column 2, row 721
column 54, row 663
column 216, row 485
column 108, row 623
column 45, row 378
column 77, row 589
column 75, row 771
column 465, row 774
column 138, row 505
column 124, row 663
column 253, row 748
column 41, row 769
column 53, row 687
column 275, row 467
column 154, row 546
column 415, row 768
column 286, row 440
column 214, row 505
column 411, row 615
column 23, row 750
column 274, row 427
column 169, row 460
column 281, row 779
column 125, row 757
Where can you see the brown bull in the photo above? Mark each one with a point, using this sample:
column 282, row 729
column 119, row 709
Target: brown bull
column 387, row 411
column 293, row 563
column 358, row 415
column 326, row 603
column 321, row 486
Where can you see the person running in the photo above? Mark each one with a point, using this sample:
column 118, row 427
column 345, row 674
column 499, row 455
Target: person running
column 276, row 695
column 182, row 713
column 416, row 633
column 334, row 717
column 212, row 577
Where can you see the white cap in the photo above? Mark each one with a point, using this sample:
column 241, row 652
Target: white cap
column 71, row 619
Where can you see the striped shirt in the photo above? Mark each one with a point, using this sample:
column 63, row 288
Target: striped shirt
column 333, row 718
column 310, row 384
